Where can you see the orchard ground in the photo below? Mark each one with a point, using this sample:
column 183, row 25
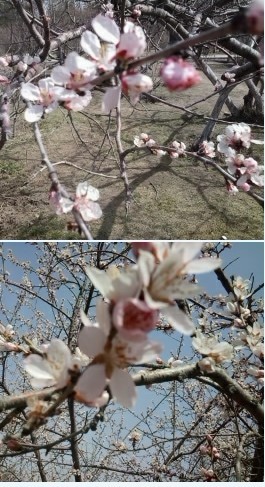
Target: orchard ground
column 172, row 198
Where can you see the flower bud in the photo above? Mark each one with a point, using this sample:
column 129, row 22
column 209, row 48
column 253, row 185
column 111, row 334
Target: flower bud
column 179, row 74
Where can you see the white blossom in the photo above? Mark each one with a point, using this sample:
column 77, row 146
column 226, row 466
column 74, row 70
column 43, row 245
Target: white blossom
column 53, row 368
column 110, row 357
column 217, row 351
column 165, row 282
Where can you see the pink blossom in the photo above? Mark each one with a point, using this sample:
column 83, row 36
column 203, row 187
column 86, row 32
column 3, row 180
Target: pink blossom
column 214, row 453
column 208, row 474
column 218, row 351
column 133, row 318
column 71, row 100
column 145, row 141
column 246, row 170
column 22, row 66
column 43, row 96
column 6, row 346
column 237, row 135
column 163, row 283
column 84, row 202
column 140, row 140
column 110, row 355
column 234, row 160
column 52, row 368
column 136, row 12
column 152, row 145
column 207, row 148
column 231, row 188
column 75, row 74
column 148, row 246
column 132, row 42
column 135, row 83
column 204, row 450
column 102, row 53
column 178, row 149
column 179, row 74
column 31, row 60
column 251, row 166
column 4, row 80
column 207, row 364
column 7, row 331
column 230, row 77
column 255, row 17
column 242, row 183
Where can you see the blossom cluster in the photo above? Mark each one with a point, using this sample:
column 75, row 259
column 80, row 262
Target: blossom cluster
column 215, row 352
column 70, row 84
column 6, row 334
column 108, row 50
column 175, row 149
column 209, row 449
column 84, row 202
column 245, row 169
column 129, row 309
column 250, row 336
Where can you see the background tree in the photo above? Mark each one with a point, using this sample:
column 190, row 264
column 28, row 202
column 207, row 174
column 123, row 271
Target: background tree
column 189, row 423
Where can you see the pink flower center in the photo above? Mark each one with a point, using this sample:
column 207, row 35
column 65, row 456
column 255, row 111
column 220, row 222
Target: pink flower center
column 133, row 314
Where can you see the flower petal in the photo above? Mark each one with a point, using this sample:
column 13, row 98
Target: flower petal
column 103, row 315
column 85, row 189
column 123, row 388
column 100, row 280
column 187, row 250
column 34, row 113
column 106, row 29
column 91, row 45
column 91, row 383
column 91, row 340
column 40, row 370
column 90, row 211
column 111, row 99
column 198, row 266
column 60, row 75
column 30, row 92
column 146, row 265
column 179, row 320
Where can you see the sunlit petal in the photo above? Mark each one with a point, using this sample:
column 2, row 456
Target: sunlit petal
column 123, row 388
column 106, row 29
column 92, row 382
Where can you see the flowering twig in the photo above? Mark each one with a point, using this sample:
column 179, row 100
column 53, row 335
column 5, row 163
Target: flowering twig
column 55, row 181
column 228, row 385
column 227, row 175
